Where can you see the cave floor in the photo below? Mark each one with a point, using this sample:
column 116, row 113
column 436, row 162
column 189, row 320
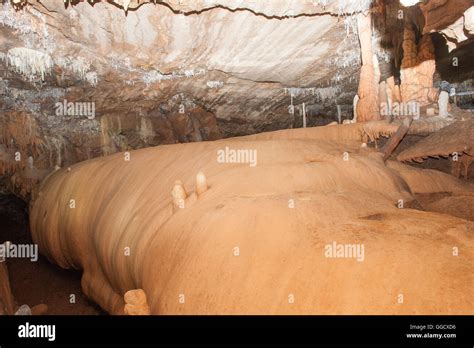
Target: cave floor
column 39, row 282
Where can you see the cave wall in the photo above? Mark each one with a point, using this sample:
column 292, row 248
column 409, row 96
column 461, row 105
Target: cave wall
column 163, row 73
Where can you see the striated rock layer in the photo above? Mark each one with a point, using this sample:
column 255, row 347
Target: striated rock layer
column 168, row 72
column 300, row 191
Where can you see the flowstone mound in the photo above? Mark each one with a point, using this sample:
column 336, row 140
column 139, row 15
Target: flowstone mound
column 455, row 141
column 318, row 225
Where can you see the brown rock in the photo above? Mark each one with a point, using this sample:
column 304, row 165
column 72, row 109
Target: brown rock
column 368, row 105
column 417, row 70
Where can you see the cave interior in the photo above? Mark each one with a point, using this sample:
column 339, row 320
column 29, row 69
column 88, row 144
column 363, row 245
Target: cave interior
column 239, row 144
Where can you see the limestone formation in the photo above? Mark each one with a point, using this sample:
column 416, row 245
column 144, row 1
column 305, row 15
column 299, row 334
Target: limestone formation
column 383, row 96
column 455, row 141
column 136, row 303
column 469, row 20
column 441, row 14
column 201, row 183
column 354, row 106
column 368, row 104
column 443, row 103
column 64, row 51
column 455, row 33
column 418, row 67
column 23, row 310
column 179, row 195
column 393, row 91
column 30, row 63
column 191, row 253
column 68, row 51
column 114, row 115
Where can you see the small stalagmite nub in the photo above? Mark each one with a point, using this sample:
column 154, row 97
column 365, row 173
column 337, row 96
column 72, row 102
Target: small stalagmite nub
column 179, row 194
column 201, row 183
column 136, row 303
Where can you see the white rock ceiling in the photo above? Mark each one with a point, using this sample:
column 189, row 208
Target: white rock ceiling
column 236, row 52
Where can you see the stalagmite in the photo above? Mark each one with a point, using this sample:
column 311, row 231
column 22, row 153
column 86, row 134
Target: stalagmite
column 136, row 303
column 383, row 96
column 201, row 183
column 354, row 107
column 443, row 102
column 179, row 195
column 393, row 91
column 23, row 310
column 368, row 105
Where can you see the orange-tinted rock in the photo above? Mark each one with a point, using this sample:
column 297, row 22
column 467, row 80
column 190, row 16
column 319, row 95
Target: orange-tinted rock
column 368, row 105
column 418, row 67
column 439, row 14
column 196, row 124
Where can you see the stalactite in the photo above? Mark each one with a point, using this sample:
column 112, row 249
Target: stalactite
column 79, row 67
column 417, row 70
column 20, row 143
column 29, row 63
column 154, row 76
column 215, row 84
column 368, row 105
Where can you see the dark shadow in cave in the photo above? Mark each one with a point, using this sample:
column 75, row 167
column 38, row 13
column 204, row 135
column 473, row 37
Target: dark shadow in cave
column 39, row 282
column 444, row 60
column 389, row 27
